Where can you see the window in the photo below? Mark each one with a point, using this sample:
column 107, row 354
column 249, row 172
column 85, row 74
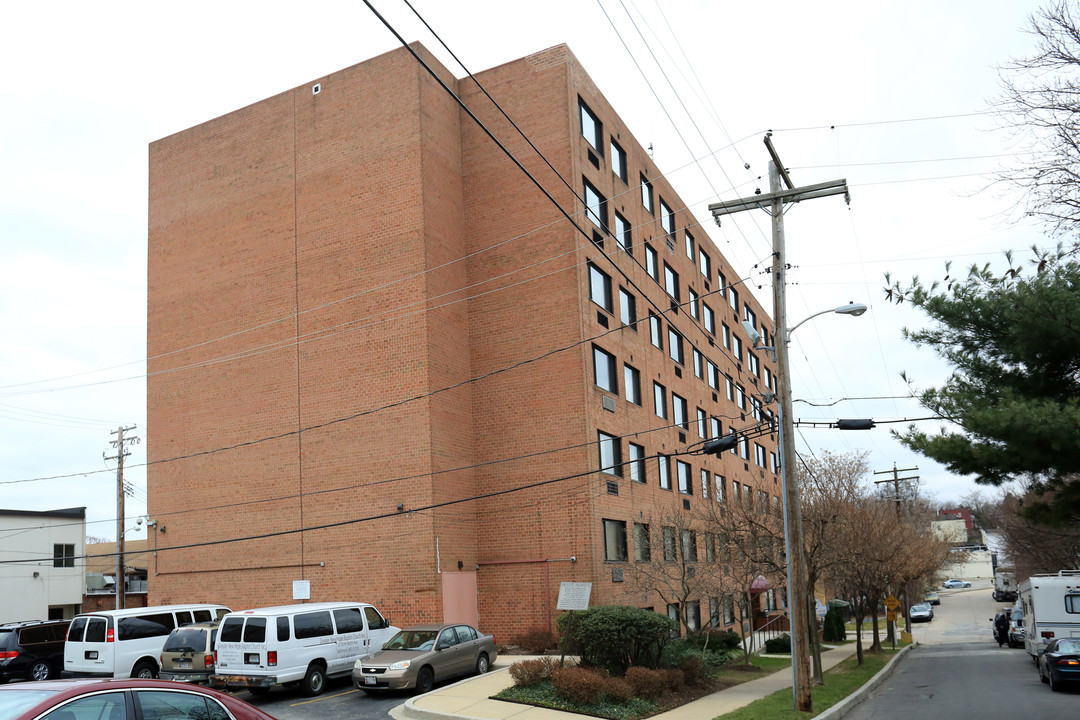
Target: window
column 282, row 628
column 604, row 370
column 763, row 505
column 699, row 364
column 610, row 454
column 733, row 299
column 709, row 319
column 704, row 484
column 664, row 463
column 63, row 556
column 744, row 453
column 667, row 219
column 311, row 625
column 682, row 472
column 693, row 616
column 774, row 464
column 144, row 626
column 675, row 345
column 642, row 543
column 628, row 309
column 749, row 316
column 671, row 282
column 729, row 386
column 759, row 455
column 660, row 400
column 689, row 546
column 618, row 160
column 255, row 630
column 737, row 349
column 753, row 363
column 736, row 491
column 375, row 621
column 714, row 427
column 636, row 463
column 159, row 704
column 600, row 288
column 702, row 419
column 714, row 375
column 692, row 303
column 654, row 330
column 726, row 332
column 615, row 540
column 729, row 610
column 652, row 263
column 646, row 195
column 632, row 383
column 704, row 263
column 740, row 396
column 714, row 612
column 723, row 285
column 719, row 486
column 347, row 620
column 591, row 129
column 1072, row 604
column 595, row 206
column 670, row 545
column 622, row 234
column 679, row 411
column 689, row 245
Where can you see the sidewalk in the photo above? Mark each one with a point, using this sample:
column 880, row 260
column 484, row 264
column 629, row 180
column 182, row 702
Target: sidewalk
column 470, row 699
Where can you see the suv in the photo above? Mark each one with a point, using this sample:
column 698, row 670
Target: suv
column 33, row 649
column 188, row 653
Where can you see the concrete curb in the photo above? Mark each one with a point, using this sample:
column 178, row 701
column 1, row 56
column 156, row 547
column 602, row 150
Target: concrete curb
column 845, row 706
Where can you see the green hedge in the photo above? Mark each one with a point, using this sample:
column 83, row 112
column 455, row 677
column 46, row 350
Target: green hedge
column 615, row 637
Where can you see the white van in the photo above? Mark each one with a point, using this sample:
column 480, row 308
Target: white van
column 127, row 643
column 296, row 644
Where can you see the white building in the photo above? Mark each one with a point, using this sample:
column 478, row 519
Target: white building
column 42, row 563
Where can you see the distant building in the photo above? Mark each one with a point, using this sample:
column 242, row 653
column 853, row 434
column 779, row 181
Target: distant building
column 43, row 563
column 379, row 353
column 101, row 575
column 960, row 514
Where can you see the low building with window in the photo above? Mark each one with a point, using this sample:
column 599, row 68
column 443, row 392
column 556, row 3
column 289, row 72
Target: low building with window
column 43, row 555
column 384, row 366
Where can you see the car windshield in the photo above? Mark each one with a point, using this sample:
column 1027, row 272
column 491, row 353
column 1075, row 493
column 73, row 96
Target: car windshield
column 14, row 700
column 921, row 607
column 412, row 640
column 1068, row 646
column 186, row 640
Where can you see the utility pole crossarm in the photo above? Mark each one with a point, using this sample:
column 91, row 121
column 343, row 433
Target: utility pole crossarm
column 763, row 201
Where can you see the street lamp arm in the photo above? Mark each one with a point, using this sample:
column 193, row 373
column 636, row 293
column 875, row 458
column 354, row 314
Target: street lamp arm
column 796, row 326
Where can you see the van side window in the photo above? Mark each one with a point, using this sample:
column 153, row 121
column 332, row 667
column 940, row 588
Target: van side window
column 282, row 629
column 221, row 612
column 183, row 617
column 202, row 615
column 95, row 630
column 255, row 630
column 230, row 629
column 349, row 620
column 75, row 632
column 34, row 635
column 315, row 624
column 375, row 621
column 1072, row 604
column 146, row 626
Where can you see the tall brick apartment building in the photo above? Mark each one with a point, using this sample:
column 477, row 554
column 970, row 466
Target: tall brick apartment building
column 366, row 326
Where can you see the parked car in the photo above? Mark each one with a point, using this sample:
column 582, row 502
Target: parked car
column 1060, row 663
column 952, row 583
column 127, row 699
column 931, row 597
column 33, row 649
column 188, row 653
column 921, row 612
column 419, row 656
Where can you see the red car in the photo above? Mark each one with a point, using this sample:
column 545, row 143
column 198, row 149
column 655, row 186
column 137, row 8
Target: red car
column 128, row 699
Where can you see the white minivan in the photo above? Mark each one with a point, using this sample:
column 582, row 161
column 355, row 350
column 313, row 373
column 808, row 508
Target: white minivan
column 296, row 644
column 127, row 643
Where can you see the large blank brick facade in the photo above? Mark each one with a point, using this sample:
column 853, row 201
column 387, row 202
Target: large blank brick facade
column 371, row 343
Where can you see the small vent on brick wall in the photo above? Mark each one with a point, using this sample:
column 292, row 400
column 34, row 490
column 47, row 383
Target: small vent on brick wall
column 715, row 398
column 678, row 372
column 670, row 244
column 593, row 159
column 316, row 88
column 601, row 318
column 612, row 487
column 686, row 504
column 598, row 239
column 682, row 438
column 609, row 403
column 691, row 570
column 616, row 574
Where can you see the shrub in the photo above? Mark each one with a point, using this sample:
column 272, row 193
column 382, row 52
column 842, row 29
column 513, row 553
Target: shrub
column 647, row 683
column 615, row 637
column 781, row 644
column 833, row 628
column 693, row 669
column 618, row 690
column 578, row 684
column 533, row 672
column 673, row 678
column 536, row 640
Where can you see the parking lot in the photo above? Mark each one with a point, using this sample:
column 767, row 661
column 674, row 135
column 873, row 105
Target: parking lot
column 340, row 701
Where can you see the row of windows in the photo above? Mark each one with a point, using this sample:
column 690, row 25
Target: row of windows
column 675, row 544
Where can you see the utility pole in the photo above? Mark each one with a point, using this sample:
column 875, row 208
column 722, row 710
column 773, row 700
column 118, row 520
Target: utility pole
column 799, row 595
column 121, row 453
column 896, row 480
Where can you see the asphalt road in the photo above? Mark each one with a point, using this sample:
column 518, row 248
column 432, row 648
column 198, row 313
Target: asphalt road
column 959, row 671
column 340, row 701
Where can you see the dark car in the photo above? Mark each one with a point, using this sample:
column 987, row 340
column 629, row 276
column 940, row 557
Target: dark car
column 1060, row 663
column 128, row 699
column 33, row 650
column 188, row 653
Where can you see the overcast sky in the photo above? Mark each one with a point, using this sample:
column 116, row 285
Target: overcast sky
column 889, row 95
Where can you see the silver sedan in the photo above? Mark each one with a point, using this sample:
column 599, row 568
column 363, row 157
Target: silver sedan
column 421, row 655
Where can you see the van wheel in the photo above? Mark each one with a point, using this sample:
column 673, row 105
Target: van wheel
column 144, row 670
column 314, row 681
column 425, row 680
column 40, row 671
column 482, row 665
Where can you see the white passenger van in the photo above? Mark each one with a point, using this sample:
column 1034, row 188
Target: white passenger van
column 296, row 645
column 127, row 643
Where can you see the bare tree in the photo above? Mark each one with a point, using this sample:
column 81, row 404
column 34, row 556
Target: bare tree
column 1035, row 547
column 1040, row 104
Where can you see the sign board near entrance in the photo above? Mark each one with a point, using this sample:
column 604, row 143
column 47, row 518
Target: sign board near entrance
column 574, row 596
column 301, row 589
